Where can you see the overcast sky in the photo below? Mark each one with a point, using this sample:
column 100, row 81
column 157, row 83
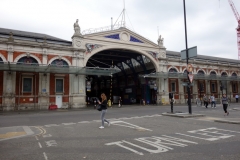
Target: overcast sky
column 211, row 23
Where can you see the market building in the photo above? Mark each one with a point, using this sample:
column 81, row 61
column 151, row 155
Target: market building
column 38, row 70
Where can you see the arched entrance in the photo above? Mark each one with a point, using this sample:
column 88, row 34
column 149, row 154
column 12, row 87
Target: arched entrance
column 125, row 84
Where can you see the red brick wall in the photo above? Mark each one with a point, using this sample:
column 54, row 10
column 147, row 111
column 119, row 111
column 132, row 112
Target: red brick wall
column 4, row 53
column 26, row 97
column 52, row 99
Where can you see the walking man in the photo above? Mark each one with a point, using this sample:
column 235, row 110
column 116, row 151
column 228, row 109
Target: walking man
column 236, row 96
column 205, row 99
column 213, row 103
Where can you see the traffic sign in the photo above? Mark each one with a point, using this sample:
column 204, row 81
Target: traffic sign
column 192, row 52
column 190, row 76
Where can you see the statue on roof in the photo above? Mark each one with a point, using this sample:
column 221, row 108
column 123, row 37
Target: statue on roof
column 77, row 28
column 160, row 41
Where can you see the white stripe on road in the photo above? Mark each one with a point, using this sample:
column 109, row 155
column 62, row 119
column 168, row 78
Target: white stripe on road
column 39, row 144
column 84, row 122
column 45, row 156
column 68, row 123
column 51, row 125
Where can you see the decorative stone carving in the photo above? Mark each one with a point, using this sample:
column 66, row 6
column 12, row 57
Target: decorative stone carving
column 77, row 30
column 10, row 48
column 59, row 57
column 160, row 41
column 162, row 54
column 45, row 51
column 78, row 54
column 91, row 47
column 28, row 54
column 153, row 54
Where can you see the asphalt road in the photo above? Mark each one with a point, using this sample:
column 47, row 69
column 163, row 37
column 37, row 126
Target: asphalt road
column 136, row 132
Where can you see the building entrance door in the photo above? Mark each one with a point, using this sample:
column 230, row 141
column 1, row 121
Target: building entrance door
column 59, row 101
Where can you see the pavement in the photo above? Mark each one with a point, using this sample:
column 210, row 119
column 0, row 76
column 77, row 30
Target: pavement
column 210, row 114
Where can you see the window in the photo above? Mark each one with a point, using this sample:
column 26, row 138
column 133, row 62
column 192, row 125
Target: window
column 234, row 87
column 213, row 87
column 59, row 85
column 27, row 85
column 173, row 87
column 200, row 72
column 201, row 87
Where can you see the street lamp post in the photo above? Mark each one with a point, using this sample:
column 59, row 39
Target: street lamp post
column 188, row 86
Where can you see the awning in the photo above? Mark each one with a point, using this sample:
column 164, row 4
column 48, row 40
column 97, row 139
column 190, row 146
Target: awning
column 13, row 67
column 195, row 76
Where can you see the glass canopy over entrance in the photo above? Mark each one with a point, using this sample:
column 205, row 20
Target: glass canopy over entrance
column 33, row 67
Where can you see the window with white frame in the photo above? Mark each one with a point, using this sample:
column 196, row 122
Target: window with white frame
column 59, row 85
column 27, row 83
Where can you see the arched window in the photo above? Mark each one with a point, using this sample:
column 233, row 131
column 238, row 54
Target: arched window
column 27, row 60
column 213, row 73
column 224, row 74
column 172, row 70
column 201, row 72
column 59, row 63
column 234, row 75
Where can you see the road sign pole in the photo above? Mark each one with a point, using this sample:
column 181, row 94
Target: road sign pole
column 188, row 87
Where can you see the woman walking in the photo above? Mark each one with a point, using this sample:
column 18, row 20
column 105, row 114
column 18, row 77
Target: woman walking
column 225, row 104
column 104, row 109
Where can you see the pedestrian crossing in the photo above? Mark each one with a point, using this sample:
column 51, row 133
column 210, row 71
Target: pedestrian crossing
column 111, row 119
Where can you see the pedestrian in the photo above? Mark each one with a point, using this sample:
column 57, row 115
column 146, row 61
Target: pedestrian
column 225, row 104
column 120, row 102
column 104, row 110
column 171, row 102
column 212, row 100
column 236, row 96
column 109, row 102
column 205, row 100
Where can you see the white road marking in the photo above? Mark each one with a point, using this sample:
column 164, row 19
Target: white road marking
column 129, row 125
column 119, row 143
column 97, row 121
column 39, row 144
column 68, row 123
column 36, row 138
column 51, row 125
column 161, row 144
column 84, row 122
column 111, row 119
column 45, row 156
column 47, row 135
column 51, row 143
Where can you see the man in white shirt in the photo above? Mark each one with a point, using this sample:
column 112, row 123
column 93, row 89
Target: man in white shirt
column 212, row 99
column 236, row 96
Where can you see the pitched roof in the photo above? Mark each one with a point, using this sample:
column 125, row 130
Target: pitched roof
column 31, row 36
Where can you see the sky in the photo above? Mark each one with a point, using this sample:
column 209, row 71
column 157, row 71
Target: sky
column 211, row 24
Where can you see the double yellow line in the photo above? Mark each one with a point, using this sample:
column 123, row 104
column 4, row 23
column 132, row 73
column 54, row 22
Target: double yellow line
column 42, row 131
